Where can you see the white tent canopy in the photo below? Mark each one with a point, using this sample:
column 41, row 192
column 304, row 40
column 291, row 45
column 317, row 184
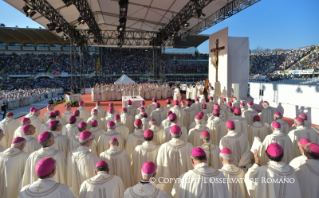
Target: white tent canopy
column 124, row 79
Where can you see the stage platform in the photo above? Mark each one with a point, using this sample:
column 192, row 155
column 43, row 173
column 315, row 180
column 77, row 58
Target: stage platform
column 89, row 105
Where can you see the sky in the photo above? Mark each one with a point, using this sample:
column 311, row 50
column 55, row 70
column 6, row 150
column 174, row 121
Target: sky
column 286, row 24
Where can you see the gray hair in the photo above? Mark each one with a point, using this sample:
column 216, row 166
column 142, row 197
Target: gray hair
column 147, row 175
column 46, row 142
column 176, row 135
column 111, row 127
column 82, row 142
column 199, row 121
column 16, row 145
column 226, row 157
column 205, row 138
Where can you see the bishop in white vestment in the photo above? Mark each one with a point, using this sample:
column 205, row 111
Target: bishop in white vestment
column 135, row 138
column 145, row 121
column 249, row 113
column 101, row 111
column 130, row 108
column 300, row 160
column 240, row 123
column 151, row 107
column 257, row 129
column 158, row 114
column 84, row 113
column 61, row 141
column 284, row 125
column 18, row 132
column 128, row 120
column 102, row 184
column 8, row 126
column 197, row 106
column 166, row 122
column 94, row 116
column 211, row 150
column 178, row 111
column 102, row 144
column 168, row 106
column 195, row 133
column 158, row 132
column 96, row 130
column 216, row 127
column 50, row 108
column 167, row 131
column 31, row 143
column 67, row 113
column 45, row 126
column 70, row 129
column 36, row 122
column 267, row 114
column 189, row 114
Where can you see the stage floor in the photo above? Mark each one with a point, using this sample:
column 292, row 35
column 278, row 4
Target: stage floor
column 89, row 105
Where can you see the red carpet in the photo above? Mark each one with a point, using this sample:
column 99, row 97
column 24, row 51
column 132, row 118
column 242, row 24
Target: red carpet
column 89, row 105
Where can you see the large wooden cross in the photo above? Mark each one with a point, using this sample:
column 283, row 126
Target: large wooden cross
column 215, row 57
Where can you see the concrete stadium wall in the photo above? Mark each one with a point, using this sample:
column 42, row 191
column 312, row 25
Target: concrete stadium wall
column 290, row 100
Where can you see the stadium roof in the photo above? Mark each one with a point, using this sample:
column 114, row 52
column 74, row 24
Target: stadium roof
column 142, row 15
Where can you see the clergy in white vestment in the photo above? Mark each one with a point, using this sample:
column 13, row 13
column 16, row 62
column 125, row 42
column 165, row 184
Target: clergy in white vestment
column 119, row 162
column 147, row 151
column 194, row 135
column 280, row 138
column 110, row 116
column 257, row 129
column 139, row 114
column 242, row 107
column 168, row 106
column 236, row 186
column 307, row 124
column 76, row 113
column 276, row 179
column 158, row 132
column 46, row 140
column 12, row 161
column 216, row 127
column 267, row 114
column 158, row 114
column 120, row 127
column 8, row 126
column 31, row 143
column 300, row 160
column 46, row 185
column 67, row 113
column 146, row 187
column 177, row 95
column 145, row 109
column 284, row 124
column 249, row 113
column 96, row 130
column 145, row 121
column 222, row 104
column 102, row 184
column 238, row 143
column 178, row 111
column 75, row 142
column 193, row 124
column 201, row 97
column 183, row 106
column 210, row 104
column 151, row 107
column 45, row 126
column 84, row 113
column 70, row 129
column 61, row 141
column 240, row 122
column 94, row 116
column 81, row 162
column 102, row 144
column 167, row 131
column 135, row 138
column 50, row 108
column 1, row 137
column 101, row 111
column 128, row 120
column 229, row 111
column 199, row 182
column 189, row 114
column 62, row 121
column 18, row 132
column 301, row 132
column 173, row 159
column 130, row 108
column 166, row 122
column 222, row 113
column 188, row 92
column 197, row 106
column 111, row 105
column 205, row 111
column 307, row 174
column 236, row 103
column 211, row 150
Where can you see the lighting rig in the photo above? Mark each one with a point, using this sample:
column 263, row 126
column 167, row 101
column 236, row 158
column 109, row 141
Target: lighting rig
column 123, row 4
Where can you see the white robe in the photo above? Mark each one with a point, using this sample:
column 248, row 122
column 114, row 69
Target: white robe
column 78, row 120
column 167, row 132
column 70, row 130
column 145, row 122
column 217, row 128
column 97, row 131
column 45, row 126
column 308, row 178
column 46, row 116
column 173, row 159
column 74, row 143
column 240, row 124
column 116, row 112
column 197, row 183
column 239, row 145
column 84, row 113
column 257, row 129
column 142, row 153
column 121, row 128
column 127, row 119
column 101, row 112
column 12, row 162
column 267, row 115
column 195, row 133
column 167, row 108
column 144, row 190
column 31, row 144
column 119, row 164
column 235, row 189
column 210, row 106
column 18, row 132
column 158, row 134
column 236, row 104
column 284, row 126
column 151, row 107
column 100, row 123
column 103, row 142
column 299, row 133
column 179, row 113
column 66, row 115
column 80, row 167
column 197, row 106
column 8, row 126
column 102, row 185
column 134, row 139
column 165, row 123
column 257, row 186
column 212, row 154
column 61, row 142
column 249, row 115
column 158, row 114
column 283, row 140
column 30, row 176
column 131, row 110
column 298, row 161
column 189, row 115
column 48, row 188
column 36, row 122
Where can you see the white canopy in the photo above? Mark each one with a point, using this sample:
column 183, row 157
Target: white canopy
column 124, row 79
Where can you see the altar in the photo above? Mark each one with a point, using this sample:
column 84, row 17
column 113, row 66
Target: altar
column 73, row 97
column 136, row 101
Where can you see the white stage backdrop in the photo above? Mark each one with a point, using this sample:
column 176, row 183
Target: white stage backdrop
column 291, row 100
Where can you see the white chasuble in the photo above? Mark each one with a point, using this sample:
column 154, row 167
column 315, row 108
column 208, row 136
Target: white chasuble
column 267, row 115
column 167, row 131
column 173, row 159
column 66, row 115
column 133, row 140
column 80, row 167
column 102, row 185
column 47, row 188
column 61, row 142
column 31, row 144
column 128, row 120
column 12, row 162
column 239, row 145
column 283, row 140
column 30, row 176
column 70, row 130
column 196, row 183
column 84, row 113
column 144, row 189
column 36, row 122
column 165, row 123
column 249, row 115
column 189, row 115
column 158, row 134
column 97, row 131
column 308, row 178
column 8, row 126
column 212, row 154
column 284, row 126
column 257, row 129
column 217, row 128
column 18, row 132
column 276, row 179
column 121, row 128
column 101, row 113
column 103, row 142
column 46, row 116
column 195, row 133
column 179, row 113
column 119, row 164
column 197, row 106
column 142, row 153
column 298, row 161
column 100, row 123
column 236, row 187
column 131, row 110
column 158, row 114
column 240, row 124
column 74, row 143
